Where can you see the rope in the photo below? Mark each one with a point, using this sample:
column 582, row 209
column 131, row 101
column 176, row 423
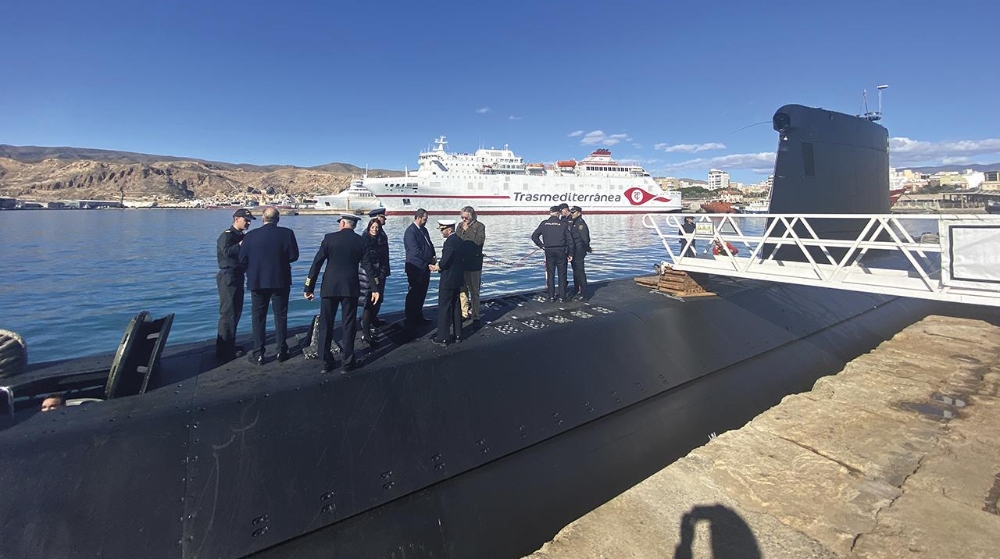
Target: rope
column 513, row 263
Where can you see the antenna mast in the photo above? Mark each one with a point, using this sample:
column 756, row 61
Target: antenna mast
column 873, row 116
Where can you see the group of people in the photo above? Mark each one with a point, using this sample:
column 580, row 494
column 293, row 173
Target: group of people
column 565, row 238
column 356, row 270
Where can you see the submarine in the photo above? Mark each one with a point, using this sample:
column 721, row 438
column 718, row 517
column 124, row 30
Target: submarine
column 483, row 449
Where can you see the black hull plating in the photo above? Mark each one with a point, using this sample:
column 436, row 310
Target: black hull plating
column 234, row 461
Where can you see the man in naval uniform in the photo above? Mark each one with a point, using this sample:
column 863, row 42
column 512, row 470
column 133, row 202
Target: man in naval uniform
column 342, row 251
column 267, row 254
column 452, row 267
column 581, row 247
column 230, row 281
column 553, row 235
column 383, row 258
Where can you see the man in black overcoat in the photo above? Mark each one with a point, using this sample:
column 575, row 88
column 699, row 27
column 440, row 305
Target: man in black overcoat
column 342, row 251
column 267, row 254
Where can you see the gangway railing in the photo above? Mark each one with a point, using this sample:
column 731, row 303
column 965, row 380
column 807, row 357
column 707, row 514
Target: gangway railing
column 941, row 257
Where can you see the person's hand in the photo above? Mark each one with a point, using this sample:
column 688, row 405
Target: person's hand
column 374, row 297
column 433, row 268
column 569, row 258
column 309, row 296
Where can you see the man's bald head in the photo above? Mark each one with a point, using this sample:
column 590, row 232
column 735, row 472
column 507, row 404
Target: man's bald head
column 271, row 215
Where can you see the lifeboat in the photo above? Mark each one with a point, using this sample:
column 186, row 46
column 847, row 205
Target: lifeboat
column 570, row 163
column 718, row 207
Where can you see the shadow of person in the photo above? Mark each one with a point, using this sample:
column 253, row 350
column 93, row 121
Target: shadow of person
column 731, row 537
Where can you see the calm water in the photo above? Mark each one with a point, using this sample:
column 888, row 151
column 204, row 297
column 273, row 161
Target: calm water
column 71, row 280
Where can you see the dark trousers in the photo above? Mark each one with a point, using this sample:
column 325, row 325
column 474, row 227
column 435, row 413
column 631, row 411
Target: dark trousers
column 555, row 259
column 419, row 280
column 381, row 297
column 230, row 284
column 449, row 314
column 579, row 274
column 327, row 316
column 259, row 300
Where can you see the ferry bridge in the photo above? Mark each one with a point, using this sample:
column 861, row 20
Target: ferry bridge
column 940, row 257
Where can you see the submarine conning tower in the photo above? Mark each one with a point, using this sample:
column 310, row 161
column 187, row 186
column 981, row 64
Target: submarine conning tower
column 828, row 163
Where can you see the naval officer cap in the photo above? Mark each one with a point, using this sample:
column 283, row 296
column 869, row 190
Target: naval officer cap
column 377, row 212
column 446, row 223
column 353, row 219
column 243, row 212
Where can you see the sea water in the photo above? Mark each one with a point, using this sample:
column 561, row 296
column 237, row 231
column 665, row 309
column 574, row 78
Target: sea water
column 70, row 280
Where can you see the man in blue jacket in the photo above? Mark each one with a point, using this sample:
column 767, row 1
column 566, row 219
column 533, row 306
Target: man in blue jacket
column 342, row 251
column 420, row 262
column 267, row 254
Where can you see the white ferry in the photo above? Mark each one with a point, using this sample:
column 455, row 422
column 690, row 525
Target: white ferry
column 495, row 181
column 354, row 198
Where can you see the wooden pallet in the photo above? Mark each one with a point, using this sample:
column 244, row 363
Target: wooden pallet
column 676, row 283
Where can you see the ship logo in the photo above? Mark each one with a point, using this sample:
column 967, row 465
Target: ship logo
column 637, row 196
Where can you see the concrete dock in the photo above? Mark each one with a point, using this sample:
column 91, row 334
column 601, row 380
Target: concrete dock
column 898, row 455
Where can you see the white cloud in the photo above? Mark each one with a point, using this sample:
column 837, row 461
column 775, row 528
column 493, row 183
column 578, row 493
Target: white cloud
column 636, row 145
column 904, row 151
column 599, row 138
column 689, row 148
column 483, row 110
column 758, row 162
column 512, row 117
column 660, row 146
column 575, row 133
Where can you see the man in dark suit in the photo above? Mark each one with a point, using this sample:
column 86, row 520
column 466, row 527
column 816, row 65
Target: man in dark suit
column 420, row 262
column 452, row 267
column 267, row 254
column 342, row 251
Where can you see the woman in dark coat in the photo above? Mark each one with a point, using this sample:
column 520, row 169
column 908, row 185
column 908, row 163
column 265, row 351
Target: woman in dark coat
column 373, row 268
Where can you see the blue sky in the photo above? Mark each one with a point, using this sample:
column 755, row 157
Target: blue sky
column 672, row 85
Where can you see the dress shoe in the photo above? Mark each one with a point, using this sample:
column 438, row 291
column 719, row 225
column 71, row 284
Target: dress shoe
column 256, row 359
column 348, row 367
column 439, row 343
column 328, row 367
column 282, row 356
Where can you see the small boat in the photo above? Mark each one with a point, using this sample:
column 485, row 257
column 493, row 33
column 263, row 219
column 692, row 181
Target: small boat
column 354, row 198
column 718, row 207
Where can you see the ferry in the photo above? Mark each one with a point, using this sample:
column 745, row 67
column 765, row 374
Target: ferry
column 354, row 198
column 498, row 182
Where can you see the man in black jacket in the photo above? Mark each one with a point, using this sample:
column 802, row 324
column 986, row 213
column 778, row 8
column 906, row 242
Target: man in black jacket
column 553, row 235
column 267, row 255
column 581, row 247
column 342, row 251
column 230, row 282
column 452, row 268
column 383, row 258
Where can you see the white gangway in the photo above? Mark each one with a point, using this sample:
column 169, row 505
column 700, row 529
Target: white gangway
column 940, row 257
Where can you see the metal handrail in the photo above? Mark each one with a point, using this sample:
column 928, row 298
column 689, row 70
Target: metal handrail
column 790, row 250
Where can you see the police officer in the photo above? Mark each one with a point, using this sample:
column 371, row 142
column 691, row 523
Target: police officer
column 383, row 258
column 230, row 282
column 564, row 212
column 553, row 235
column 581, row 247
column 342, row 251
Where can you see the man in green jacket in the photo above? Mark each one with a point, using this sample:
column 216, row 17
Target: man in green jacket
column 472, row 232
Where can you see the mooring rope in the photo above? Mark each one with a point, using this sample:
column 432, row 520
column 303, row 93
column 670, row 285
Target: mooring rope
column 513, row 263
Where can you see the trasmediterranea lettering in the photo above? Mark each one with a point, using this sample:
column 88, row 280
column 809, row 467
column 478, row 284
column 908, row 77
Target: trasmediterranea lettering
column 565, row 197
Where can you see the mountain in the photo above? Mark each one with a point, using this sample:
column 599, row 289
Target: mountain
column 67, row 173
